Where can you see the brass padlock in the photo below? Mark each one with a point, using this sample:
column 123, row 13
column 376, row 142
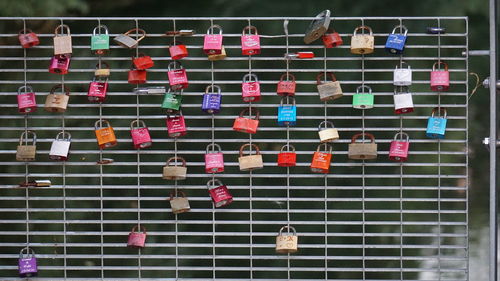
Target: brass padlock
column 288, row 243
column 327, row 132
column 363, row 151
column 57, row 102
column 250, row 162
column 362, row 44
column 179, row 204
column 25, row 151
column 62, row 42
column 328, row 90
column 174, row 172
column 126, row 41
column 220, row 56
column 102, row 69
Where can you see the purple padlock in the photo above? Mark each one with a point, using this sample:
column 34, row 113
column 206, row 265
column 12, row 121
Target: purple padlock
column 27, row 263
column 212, row 100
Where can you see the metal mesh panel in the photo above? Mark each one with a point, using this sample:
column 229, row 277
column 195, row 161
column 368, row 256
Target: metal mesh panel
column 365, row 220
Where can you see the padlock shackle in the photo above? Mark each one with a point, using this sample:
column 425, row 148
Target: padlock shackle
column 213, row 146
column 402, row 134
column 142, row 229
column 175, row 63
column 138, row 30
column 103, row 63
column 249, row 28
column 179, row 192
column 290, row 228
column 287, row 100
column 25, row 137
column 401, row 27
column 211, row 28
column 327, row 147
column 98, row 28
column 247, row 110
column 63, row 136
column 253, row 145
column 364, row 87
column 401, row 90
column 287, row 75
column 139, row 55
column 365, row 27
column 330, row 30
column 439, row 63
column 26, row 253
column 60, row 86
column 328, row 74
column 248, row 78
column 176, row 159
column 289, row 146
column 356, row 136
column 175, row 115
column 326, row 125
column 175, row 43
column 98, row 124
column 25, row 30
column 62, row 26
column 403, row 63
column 140, row 124
column 214, row 182
column 27, row 89
column 443, row 113
column 212, row 87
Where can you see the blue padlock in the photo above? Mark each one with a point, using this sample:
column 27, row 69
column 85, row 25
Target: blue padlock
column 436, row 126
column 396, row 42
column 212, row 100
column 287, row 114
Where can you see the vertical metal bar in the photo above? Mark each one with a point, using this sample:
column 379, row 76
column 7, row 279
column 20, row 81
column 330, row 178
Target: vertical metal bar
column 467, row 183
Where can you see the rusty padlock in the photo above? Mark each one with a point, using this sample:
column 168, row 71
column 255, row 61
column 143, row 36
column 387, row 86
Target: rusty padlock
column 250, row 162
column 57, row 102
column 62, row 42
column 27, row 38
column 59, row 150
column 137, row 239
column 219, row 193
column 287, row 158
column 363, row 150
column 177, row 77
column 140, row 134
column 172, row 171
column 125, row 40
column 105, row 135
column 26, row 101
column 102, row 69
column 136, row 76
column 362, row 44
column 286, row 87
column 247, row 125
column 176, row 125
column 250, row 43
column 142, row 62
column 331, row 39
column 26, row 151
column 328, row 90
column 177, row 50
column 250, row 88
column 179, row 204
column 327, row 134
column 214, row 159
column 321, row 160
column 287, row 244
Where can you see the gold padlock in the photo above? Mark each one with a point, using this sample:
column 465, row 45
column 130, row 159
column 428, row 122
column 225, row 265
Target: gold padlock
column 327, row 132
column 175, row 172
column 62, row 42
column 288, row 243
column 57, row 102
column 362, row 44
column 179, row 204
column 25, row 151
column 220, row 56
column 363, row 151
column 102, row 70
column 250, row 162
column 328, row 90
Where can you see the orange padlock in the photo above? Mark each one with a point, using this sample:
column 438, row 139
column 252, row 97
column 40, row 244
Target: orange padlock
column 321, row 160
column 142, row 61
column 105, row 135
column 247, row 125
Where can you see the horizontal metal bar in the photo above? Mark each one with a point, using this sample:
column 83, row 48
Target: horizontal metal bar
column 244, row 19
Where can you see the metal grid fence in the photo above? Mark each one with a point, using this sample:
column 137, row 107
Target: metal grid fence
column 365, row 220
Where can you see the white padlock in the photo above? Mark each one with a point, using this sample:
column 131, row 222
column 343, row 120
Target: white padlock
column 403, row 101
column 402, row 76
column 60, row 147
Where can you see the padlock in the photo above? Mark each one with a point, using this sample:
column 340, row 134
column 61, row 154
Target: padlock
column 250, row 43
column 220, row 56
column 332, row 39
column 250, row 88
column 317, row 27
column 321, row 160
column 97, row 89
column 26, row 151
column 177, row 76
column 250, row 162
column 402, row 76
column 287, row 244
column 136, row 76
column 327, row 134
column 219, row 193
column 59, row 149
column 173, row 171
column 399, row 148
column 395, row 43
column 287, row 114
column 299, row 55
column 211, row 100
column 27, row 264
column 59, row 64
column 62, row 42
column 142, row 62
column 172, row 101
column 362, row 150
column 140, row 134
column 440, row 79
column 214, row 159
column 403, row 101
column 177, row 50
column 57, row 102
column 137, row 239
column 125, row 40
column 27, row 38
column 247, row 125
column 156, row 90
column 363, row 99
column 287, row 158
column 176, row 125
column 286, row 88
column 328, row 90
column 362, row 44
column 102, row 69
column 212, row 43
column 179, row 204
column 99, row 42
column 105, row 135
column 436, row 126
column 26, row 100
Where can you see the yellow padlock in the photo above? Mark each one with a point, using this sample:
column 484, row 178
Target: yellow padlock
column 287, row 243
column 179, row 204
column 327, row 132
column 172, row 171
column 26, row 151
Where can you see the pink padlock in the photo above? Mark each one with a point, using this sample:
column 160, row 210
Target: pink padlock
column 212, row 43
column 26, row 101
column 137, row 239
column 214, row 159
column 440, row 79
column 250, row 88
column 177, row 76
column 176, row 125
column 250, row 43
column 399, row 148
column 140, row 134
column 59, row 64
column 97, row 89
column 219, row 193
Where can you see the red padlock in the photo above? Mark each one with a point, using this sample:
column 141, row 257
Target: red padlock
column 177, row 50
column 177, row 76
column 250, row 88
column 142, row 62
column 97, row 89
column 321, row 160
column 332, row 39
column 286, row 88
column 26, row 102
column 247, row 125
column 59, row 64
column 250, row 43
column 288, row 158
column 214, row 159
column 140, row 134
column 137, row 239
column 28, row 38
column 399, row 148
column 219, row 193
column 136, row 76
column 212, row 43
column 176, row 126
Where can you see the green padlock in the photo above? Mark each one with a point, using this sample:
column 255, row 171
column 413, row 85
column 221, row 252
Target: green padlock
column 99, row 42
column 363, row 99
column 172, row 102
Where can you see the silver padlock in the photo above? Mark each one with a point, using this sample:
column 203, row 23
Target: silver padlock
column 60, row 147
column 179, row 204
column 317, row 27
column 402, row 76
column 327, row 132
column 126, row 41
column 287, row 243
column 403, row 101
